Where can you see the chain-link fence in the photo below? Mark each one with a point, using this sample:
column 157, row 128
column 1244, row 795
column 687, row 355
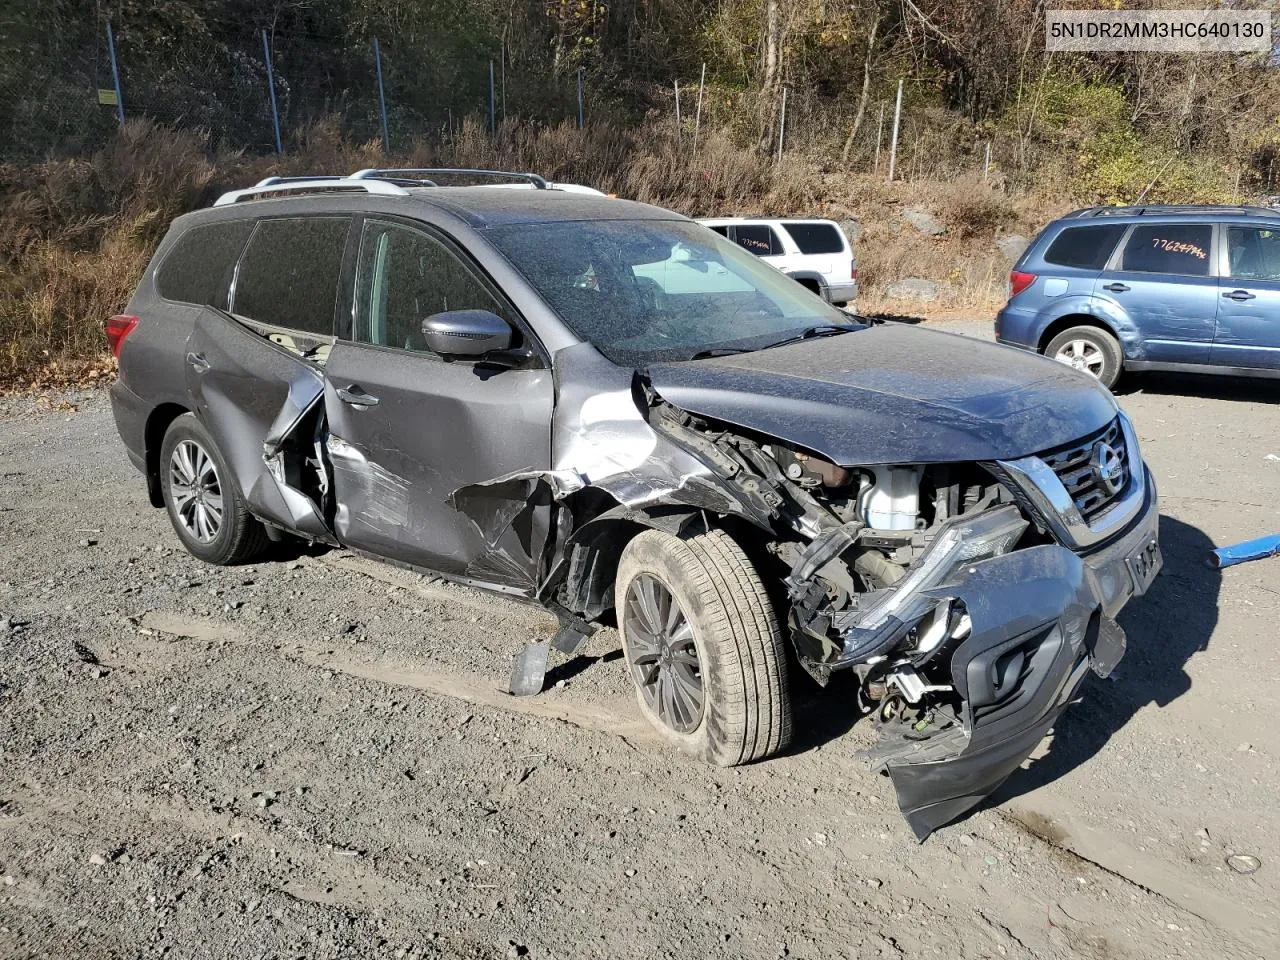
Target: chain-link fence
column 65, row 90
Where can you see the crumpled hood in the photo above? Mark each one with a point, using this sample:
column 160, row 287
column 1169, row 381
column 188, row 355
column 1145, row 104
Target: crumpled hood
column 894, row 394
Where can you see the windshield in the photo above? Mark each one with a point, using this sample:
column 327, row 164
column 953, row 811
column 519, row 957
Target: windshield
column 644, row 291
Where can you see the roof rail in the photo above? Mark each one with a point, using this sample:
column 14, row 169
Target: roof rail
column 298, row 185
column 410, row 174
column 1173, row 209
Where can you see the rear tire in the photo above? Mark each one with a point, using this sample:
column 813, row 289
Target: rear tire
column 725, row 641
column 1091, row 350
column 201, row 498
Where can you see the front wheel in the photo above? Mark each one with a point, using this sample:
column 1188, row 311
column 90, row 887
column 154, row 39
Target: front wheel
column 703, row 646
column 1090, row 350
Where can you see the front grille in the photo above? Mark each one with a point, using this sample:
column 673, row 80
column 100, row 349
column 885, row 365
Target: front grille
column 1075, row 466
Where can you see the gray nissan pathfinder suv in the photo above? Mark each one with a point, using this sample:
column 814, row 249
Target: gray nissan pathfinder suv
column 604, row 408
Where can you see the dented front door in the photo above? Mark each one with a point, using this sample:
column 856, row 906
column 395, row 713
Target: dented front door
column 424, row 429
column 252, row 394
column 408, row 427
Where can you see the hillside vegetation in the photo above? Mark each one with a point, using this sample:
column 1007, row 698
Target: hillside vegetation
column 996, row 136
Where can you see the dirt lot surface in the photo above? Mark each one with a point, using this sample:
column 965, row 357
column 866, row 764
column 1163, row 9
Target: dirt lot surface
column 314, row 756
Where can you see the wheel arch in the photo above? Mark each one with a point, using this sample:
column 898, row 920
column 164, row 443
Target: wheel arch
column 153, row 438
column 1067, row 321
column 594, row 549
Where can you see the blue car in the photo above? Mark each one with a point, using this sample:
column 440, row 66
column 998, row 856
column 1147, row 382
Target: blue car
column 1183, row 288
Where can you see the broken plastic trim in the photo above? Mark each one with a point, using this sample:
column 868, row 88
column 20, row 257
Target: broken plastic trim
column 961, row 540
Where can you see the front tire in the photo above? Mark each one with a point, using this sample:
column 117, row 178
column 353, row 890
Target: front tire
column 703, row 646
column 200, row 496
column 1090, row 350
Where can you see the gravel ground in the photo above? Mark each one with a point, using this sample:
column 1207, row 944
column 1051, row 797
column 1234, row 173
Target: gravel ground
column 313, row 756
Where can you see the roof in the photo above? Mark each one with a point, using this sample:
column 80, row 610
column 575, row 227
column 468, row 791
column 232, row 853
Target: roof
column 494, row 206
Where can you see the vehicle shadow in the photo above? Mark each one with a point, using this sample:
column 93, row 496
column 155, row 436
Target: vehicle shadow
column 1251, row 389
column 1165, row 628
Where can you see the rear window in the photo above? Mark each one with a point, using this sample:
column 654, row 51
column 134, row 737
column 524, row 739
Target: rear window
column 1175, row 248
column 758, row 239
column 815, row 237
column 199, row 267
column 1086, row 248
column 722, row 230
column 289, row 273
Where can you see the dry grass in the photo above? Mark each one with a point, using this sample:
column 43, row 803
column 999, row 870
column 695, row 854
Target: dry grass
column 76, row 234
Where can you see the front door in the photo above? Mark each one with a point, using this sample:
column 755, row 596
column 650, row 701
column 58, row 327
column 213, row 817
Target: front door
column 1249, row 299
column 1162, row 279
column 408, row 428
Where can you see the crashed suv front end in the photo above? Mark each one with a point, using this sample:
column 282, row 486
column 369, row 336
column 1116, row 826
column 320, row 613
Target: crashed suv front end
column 972, row 621
column 970, row 597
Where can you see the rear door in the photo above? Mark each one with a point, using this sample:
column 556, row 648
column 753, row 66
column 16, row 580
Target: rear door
column 254, row 372
column 409, row 428
column 823, row 248
column 1162, row 278
column 1249, row 298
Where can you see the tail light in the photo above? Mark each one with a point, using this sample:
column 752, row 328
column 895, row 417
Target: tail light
column 1019, row 281
column 119, row 327
column 853, row 269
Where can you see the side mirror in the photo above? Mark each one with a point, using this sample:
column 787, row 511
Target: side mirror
column 466, row 333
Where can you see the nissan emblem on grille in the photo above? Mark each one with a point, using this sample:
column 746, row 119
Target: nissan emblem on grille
column 1107, row 466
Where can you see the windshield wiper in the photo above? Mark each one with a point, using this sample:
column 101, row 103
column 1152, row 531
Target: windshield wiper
column 822, row 330
column 719, row 352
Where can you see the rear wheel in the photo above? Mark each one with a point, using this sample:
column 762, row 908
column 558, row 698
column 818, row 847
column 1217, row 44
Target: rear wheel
column 204, row 506
column 703, row 646
column 1090, row 350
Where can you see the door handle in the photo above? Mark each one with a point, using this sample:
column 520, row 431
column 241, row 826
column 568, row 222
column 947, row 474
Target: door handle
column 1239, row 295
column 198, row 362
column 356, row 397
column 1116, row 287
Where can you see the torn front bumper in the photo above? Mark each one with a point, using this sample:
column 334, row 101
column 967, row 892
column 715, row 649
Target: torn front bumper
column 1041, row 617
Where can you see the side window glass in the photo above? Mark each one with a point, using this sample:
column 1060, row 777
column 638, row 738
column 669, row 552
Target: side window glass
column 289, row 273
column 1254, row 253
column 723, row 231
column 815, row 237
column 201, row 264
column 405, row 276
column 757, row 238
column 1173, row 248
column 1085, row 248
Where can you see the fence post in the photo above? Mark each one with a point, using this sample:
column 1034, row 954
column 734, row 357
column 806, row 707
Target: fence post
column 493, row 103
column 697, row 117
column 382, row 96
column 893, row 146
column 271, row 88
column 581, row 124
column 782, row 123
column 677, row 110
column 115, row 73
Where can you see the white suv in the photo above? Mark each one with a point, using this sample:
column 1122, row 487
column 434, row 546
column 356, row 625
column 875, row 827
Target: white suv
column 815, row 253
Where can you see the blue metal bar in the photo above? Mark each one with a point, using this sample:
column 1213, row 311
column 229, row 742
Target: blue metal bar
column 1243, row 552
column 115, row 73
column 271, row 86
column 382, row 97
column 493, row 103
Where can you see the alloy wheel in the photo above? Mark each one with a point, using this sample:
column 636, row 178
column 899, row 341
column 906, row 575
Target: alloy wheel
column 195, row 491
column 662, row 654
column 1081, row 355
